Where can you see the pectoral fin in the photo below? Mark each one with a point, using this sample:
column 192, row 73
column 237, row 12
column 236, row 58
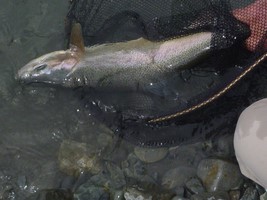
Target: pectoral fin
column 76, row 37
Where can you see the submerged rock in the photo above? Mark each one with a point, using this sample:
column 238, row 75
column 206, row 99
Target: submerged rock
column 75, row 158
column 138, row 192
column 263, row 196
column 179, row 198
column 52, row 194
column 111, row 177
column 134, row 168
column 219, row 175
column 134, row 194
column 194, row 186
column 177, row 177
column 234, row 195
column 88, row 191
column 210, row 196
column 150, row 155
column 250, row 193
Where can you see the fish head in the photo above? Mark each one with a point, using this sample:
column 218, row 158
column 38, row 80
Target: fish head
column 52, row 68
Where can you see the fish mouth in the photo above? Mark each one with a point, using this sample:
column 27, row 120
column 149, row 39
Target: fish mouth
column 27, row 78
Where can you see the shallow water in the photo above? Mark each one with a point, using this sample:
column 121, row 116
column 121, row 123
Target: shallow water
column 35, row 120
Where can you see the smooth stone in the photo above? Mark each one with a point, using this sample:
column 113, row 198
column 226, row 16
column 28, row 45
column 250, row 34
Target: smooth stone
column 263, row 196
column 88, row 191
column 134, row 194
column 179, row 191
column 118, row 195
column 210, row 196
column 219, row 175
column 187, row 154
column 234, row 194
column 250, row 193
column 116, row 175
column 150, row 155
column 75, row 157
column 135, row 169
column 52, row 194
column 226, row 145
column 194, row 186
column 179, row 198
column 104, row 140
column 144, row 190
column 112, row 177
column 177, row 177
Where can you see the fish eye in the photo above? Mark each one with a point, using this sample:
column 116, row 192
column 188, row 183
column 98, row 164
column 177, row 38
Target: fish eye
column 40, row 67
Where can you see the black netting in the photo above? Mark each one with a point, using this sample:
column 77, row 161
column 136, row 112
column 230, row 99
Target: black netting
column 238, row 43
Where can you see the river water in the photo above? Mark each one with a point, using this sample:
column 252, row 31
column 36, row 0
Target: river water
column 35, row 120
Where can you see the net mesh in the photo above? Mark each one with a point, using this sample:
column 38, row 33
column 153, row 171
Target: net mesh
column 239, row 35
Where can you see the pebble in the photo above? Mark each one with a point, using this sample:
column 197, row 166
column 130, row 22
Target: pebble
column 150, row 155
column 179, row 198
column 210, row 196
column 194, row 186
column 187, row 154
column 250, row 193
column 143, row 193
column 89, row 191
column 118, row 195
column 219, row 175
column 116, row 175
column 112, row 177
column 135, row 169
column 52, row 194
column 234, row 195
column 75, row 157
column 263, row 196
column 225, row 145
column 134, row 194
column 177, row 177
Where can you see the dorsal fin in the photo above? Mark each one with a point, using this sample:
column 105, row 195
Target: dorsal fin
column 76, row 38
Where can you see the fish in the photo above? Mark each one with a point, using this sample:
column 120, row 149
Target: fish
column 130, row 66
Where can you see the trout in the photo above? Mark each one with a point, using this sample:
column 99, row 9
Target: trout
column 131, row 65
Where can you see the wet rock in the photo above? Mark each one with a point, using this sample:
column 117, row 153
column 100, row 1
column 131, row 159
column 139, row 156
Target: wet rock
column 177, row 177
column 187, row 154
column 219, row 175
column 116, row 175
column 250, row 193
column 179, row 191
column 68, row 182
column 104, row 139
column 211, row 196
column 53, row 194
column 138, row 192
column 135, row 169
column 134, row 194
column 225, row 145
column 150, row 155
column 234, row 195
column 263, row 196
column 75, row 158
column 111, row 177
column 89, row 191
column 118, row 195
column 194, row 186
column 179, row 198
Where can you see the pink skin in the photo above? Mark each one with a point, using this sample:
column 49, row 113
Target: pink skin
column 255, row 15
